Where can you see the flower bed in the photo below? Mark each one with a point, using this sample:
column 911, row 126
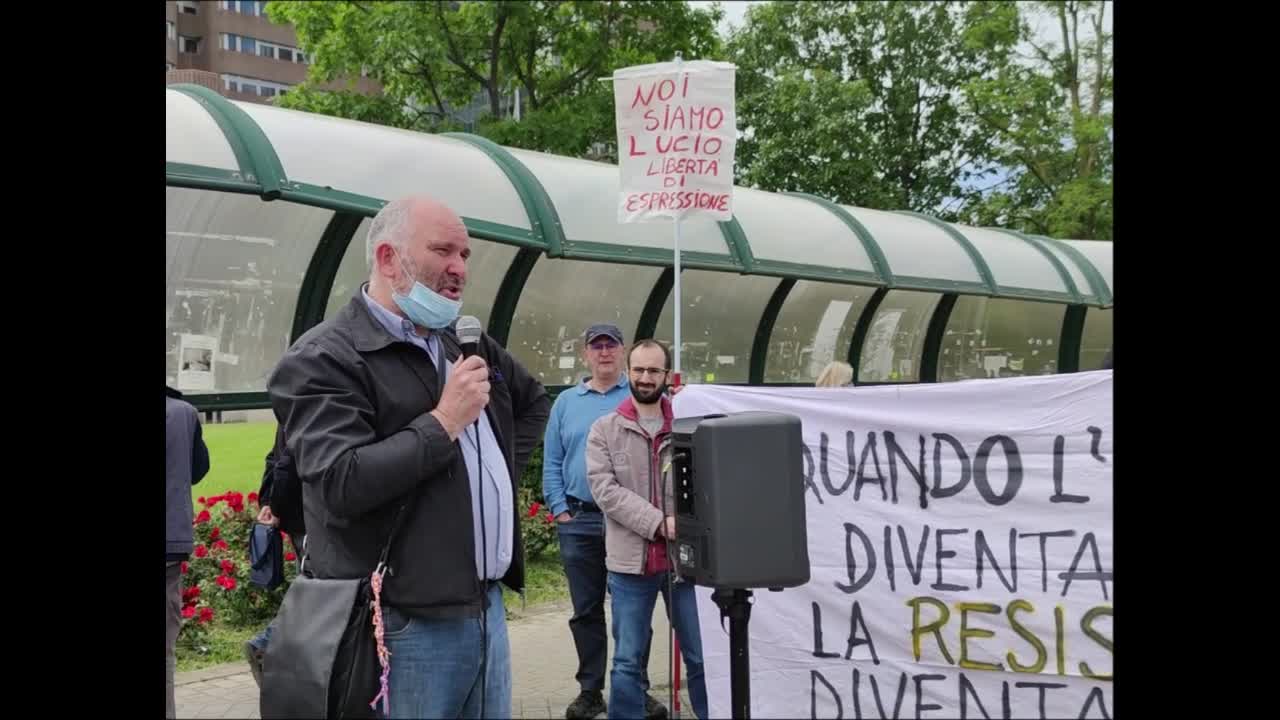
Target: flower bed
column 215, row 580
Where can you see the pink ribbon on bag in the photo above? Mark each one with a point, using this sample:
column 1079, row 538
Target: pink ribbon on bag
column 384, row 655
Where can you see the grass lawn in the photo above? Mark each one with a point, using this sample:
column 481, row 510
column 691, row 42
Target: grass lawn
column 237, row 452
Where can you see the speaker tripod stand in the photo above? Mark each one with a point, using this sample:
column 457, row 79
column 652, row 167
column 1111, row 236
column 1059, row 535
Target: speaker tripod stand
column 735, row 604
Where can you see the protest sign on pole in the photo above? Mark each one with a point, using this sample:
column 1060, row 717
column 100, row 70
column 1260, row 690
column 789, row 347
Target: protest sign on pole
column 960, row 545
column 677, row 132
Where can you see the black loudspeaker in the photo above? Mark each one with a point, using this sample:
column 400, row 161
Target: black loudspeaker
column 739, row 493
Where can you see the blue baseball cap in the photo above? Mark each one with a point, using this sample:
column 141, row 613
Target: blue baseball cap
column 606, row 329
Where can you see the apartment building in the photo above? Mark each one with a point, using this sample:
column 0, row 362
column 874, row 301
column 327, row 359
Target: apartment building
column 231, row 46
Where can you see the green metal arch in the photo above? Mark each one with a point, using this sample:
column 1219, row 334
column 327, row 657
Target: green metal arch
column 652, row 311
column 1070, row 340
column 256, row 157
column 861, row 329
column 504, row 303
column 739, row 247
column 931, row 352
column 1096, row 281
column 537, row 203
column 760, row 346
column 878, row 260
column 984, row 270
column 317, row 282
column 1069, row 283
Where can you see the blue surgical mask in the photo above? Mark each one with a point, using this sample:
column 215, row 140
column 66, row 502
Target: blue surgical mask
column 427, row 307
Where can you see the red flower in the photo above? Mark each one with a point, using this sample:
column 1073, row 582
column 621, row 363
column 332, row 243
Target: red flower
column 202, row 501
column 253, row 497
column 201, row 551
column 284, row 535
column 220, row 545
column 550, row 518
column 206, row 614
column 215, row 500
column 533, row 509
column 191, row 593
column 290, row 556
column 189, row 611
column 203, row 517
column 185, row 567
column 217, row 533
column 227, row 582
column 228, row 566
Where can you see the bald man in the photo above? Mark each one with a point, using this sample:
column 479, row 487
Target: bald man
column 381, row 411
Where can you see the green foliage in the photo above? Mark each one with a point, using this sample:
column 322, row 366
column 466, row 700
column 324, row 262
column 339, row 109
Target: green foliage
column 857, row 101
column 536, row 525
column 1051, row 117
column 435, row 57
column 959, row 109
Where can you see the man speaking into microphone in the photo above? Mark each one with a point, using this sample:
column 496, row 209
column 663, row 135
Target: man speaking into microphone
column 382, row 408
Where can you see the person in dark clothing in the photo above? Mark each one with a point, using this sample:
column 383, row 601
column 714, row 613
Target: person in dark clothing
column 277, row 463
column 186, row 460
column 381, row 410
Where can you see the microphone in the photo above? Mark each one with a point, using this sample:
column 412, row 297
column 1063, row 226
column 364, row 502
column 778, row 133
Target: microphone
column 468, row 331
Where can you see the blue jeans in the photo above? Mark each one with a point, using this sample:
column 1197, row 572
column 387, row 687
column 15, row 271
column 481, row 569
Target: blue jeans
column 259, row 641
column 435, row 664
column 582, row 553
column 633, row 599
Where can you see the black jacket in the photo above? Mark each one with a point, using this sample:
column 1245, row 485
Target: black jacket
column 354, row 403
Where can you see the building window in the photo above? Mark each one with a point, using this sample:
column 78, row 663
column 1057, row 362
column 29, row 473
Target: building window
column 285, row 54
column 253, row 86
column 258, row 8
column 188, row 8
column 301, row 57
column 168, row 66
column 188, row 44
column 240, row 43
column 170, row 30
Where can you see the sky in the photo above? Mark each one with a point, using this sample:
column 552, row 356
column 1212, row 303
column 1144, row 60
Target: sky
column 734, row 11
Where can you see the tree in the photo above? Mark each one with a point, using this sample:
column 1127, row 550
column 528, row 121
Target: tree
column 434, row 58
column 861, row 102
column 1051, row 115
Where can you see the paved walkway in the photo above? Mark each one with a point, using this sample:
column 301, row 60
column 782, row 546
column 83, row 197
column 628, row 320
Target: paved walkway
column 542, row 658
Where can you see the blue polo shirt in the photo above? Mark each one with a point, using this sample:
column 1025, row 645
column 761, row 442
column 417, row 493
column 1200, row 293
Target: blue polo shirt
column 564, row 448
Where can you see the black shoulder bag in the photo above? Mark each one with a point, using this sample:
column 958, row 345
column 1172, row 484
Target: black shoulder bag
column 322, row 660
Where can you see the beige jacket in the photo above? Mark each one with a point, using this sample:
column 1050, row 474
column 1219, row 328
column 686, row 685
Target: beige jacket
column 625, row 468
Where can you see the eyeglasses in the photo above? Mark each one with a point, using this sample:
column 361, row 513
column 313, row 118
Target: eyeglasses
column 603, row 345
column 642, row 371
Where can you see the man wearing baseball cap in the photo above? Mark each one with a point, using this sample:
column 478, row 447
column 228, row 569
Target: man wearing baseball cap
column 579, row 523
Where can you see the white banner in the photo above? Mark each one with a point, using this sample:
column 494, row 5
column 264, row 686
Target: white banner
column 677, row 132
column 960, row 550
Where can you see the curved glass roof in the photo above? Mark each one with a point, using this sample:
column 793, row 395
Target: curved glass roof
column 552, row 254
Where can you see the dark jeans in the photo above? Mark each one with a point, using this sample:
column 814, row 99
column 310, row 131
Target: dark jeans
column 582, row 552
column 633, row 599
column 172, row 626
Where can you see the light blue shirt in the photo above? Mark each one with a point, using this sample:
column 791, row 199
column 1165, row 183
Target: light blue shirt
column 494, row 543
column 564, row 447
